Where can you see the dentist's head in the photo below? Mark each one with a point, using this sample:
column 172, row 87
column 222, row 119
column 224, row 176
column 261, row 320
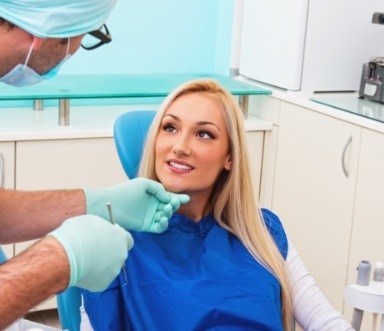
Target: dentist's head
column 37, row 36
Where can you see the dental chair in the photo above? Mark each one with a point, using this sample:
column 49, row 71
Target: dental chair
column 129, row 132
column 3, row 257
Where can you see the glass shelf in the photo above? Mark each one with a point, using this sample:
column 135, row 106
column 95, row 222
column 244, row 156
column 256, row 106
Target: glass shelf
column 67, row 87
column 355, row 105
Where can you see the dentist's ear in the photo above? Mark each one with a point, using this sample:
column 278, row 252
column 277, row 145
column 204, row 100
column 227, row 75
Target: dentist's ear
column 37, row 42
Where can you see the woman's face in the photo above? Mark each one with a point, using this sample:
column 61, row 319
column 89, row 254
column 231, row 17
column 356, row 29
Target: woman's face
column 192, row 146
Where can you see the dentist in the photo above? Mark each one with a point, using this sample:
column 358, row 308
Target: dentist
column 78, row 246
column 37, row 37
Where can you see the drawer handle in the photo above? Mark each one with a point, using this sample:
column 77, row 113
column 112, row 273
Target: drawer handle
column 2, row 171
column 343, row 156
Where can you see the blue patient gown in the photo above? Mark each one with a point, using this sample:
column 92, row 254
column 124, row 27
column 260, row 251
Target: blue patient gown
column 194, row 276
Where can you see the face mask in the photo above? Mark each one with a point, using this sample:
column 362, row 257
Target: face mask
column 22, row 75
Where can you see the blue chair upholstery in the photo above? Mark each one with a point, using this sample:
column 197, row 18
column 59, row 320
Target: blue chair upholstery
column 130, row 131
column 3, row 257
column 68, row 308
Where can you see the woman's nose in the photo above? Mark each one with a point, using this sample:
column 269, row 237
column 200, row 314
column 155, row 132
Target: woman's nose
column 181, row 147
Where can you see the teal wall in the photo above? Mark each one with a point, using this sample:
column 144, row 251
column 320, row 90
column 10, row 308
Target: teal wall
column 162, row 36
column 157, row 36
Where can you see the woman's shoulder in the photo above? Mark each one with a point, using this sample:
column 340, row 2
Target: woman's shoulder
column 276, row 229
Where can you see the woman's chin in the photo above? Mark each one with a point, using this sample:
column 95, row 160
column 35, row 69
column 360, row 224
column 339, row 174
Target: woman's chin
column 175, row 189
column 173, row 186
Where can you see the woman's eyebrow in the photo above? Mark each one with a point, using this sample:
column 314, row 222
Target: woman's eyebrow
column 177, row 118
column 208, row 123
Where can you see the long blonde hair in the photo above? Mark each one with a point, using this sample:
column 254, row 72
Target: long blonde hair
column 233, row 202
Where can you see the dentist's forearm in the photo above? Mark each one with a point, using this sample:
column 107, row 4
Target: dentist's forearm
column 32, row 277
column 28, row 215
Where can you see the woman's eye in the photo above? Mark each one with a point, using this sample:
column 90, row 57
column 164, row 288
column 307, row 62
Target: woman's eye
column 205, row 135
column 169, row 128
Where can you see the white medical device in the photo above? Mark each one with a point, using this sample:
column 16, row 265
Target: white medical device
column 367, row 295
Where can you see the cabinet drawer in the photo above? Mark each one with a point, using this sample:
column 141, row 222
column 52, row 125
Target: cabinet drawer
column 72, row 163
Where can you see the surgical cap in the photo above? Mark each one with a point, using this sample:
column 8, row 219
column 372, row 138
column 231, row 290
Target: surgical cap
column 56, row 18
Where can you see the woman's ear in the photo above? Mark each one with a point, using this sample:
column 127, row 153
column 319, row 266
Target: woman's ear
column 228, row 163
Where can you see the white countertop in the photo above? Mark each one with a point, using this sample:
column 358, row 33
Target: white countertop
column 18, row 124
column 303, row 99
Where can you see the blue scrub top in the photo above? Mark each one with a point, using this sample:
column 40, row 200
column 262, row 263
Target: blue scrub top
column 194, row 276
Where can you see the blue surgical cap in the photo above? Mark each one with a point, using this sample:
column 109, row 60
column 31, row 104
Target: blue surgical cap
column 56, row 18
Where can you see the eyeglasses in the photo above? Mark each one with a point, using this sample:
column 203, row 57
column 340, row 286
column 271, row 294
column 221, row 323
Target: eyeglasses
column 96, row 38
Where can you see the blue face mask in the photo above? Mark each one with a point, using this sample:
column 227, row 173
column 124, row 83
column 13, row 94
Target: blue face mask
column 22, row 75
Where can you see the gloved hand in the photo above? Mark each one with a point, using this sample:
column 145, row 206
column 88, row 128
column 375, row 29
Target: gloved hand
column 96, row 250
column 139, row 204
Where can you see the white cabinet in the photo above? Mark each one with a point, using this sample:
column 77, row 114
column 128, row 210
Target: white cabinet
column 368, row 221
column 7, row 175
column 334, row 221
column 313, row 191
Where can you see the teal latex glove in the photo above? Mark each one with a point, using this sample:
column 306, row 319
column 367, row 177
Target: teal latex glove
column 96, row 250
column 139, row 204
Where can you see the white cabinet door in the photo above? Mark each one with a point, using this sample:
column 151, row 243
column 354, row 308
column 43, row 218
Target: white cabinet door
column 7, row 176
column 312, row 194
column 368, row 223
column 72, row 163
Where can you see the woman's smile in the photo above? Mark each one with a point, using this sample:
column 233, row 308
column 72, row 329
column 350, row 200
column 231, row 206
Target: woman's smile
column 178, row 166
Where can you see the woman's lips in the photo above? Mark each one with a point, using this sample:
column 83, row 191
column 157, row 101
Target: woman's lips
column 182, row 166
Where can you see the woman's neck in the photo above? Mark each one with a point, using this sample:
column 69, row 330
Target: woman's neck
column 195, row 209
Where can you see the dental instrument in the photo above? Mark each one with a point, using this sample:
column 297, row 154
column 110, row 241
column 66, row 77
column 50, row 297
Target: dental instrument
column 111, row 219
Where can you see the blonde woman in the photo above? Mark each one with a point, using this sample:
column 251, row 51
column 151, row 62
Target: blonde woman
column 222, row 263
